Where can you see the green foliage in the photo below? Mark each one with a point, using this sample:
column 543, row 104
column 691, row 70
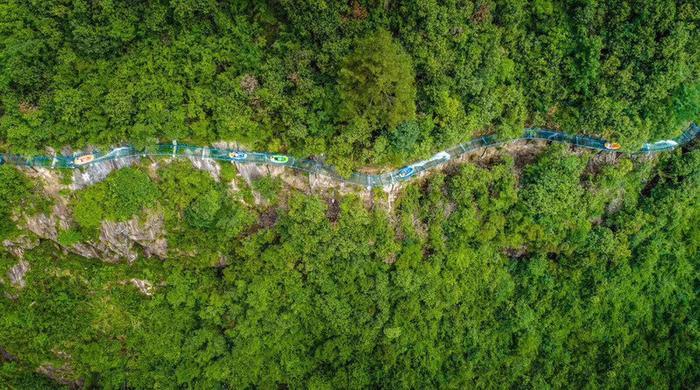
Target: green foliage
column 88, row 208
column 122, row 195
column 15, row 375
column 228, row 173
column 269, row 187
column 18, row 196
column 69, row 237
column 180, row 184
column 474, row 269
column 14, row 187
column 202, row 211
column 337, row 78
column 563, row 273
column 129, row 191
column 553, row 201
column 404, row 139
column 376, row 84
column 201, row 215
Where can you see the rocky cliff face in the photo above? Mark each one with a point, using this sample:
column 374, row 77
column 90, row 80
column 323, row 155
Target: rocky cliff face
column 18, row 246
column 250, row 172
column 117, row 240
column 120, row 240
column 63, row 375
column 144, row 286
column 95, row 173
column 200, row 161
column 16, row 274
column 48, row 226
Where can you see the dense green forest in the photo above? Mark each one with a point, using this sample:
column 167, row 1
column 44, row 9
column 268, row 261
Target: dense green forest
column 528, row 267
column 565, row 271
column 354, row 82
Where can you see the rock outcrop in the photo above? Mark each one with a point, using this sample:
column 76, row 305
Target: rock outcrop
column 144, row 286
column 48, row 226
column 97, row 172
column 18, row 246
column 63, row 375
column 50, row 179
column 250, row 172
column 17, row 272
column 6, row 356
column 200, row 161
column 117, row 240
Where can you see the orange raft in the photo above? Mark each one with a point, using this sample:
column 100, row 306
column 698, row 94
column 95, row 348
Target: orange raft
column 84, row 159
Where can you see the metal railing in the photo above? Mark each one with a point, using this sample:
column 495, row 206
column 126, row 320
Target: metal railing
column 174, row 150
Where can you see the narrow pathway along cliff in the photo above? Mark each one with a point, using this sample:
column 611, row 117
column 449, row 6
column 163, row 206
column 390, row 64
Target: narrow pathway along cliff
column 366, row 180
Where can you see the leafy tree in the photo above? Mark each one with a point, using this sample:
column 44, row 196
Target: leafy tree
column 15, row 187
column 269, row 187
column 202, row 211
column 19, row 196
column 201, row 215
column 553, row 203
column 122, row 195
column 404, row 138
column 129, row 190
column 465, row 270
column 376, row 87
column 336, row 79
column 562, row 271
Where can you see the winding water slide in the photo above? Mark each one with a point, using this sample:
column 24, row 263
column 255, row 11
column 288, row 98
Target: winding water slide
column 174, row 150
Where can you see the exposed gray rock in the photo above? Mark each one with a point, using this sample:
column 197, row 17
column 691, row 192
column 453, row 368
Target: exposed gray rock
column 320, row 182
column 18, row 246
column 233, row 186
column 97, row 172
column 200, row 161
column 616, row 203
column 392, row 192
column 6, row 356
column 50, row 178
column 249, row 83
column 250, row 172
column 43, row 226
column 17, row 272
column 144, row 286
column 86, row 250
column 47, row 226
column 63, row 375
column 62, row 214
column 118, row 239
column 325, row 185
column 153, row 168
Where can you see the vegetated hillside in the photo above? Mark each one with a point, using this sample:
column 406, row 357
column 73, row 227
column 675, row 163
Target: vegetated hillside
column 566, row 273
column 357, row 81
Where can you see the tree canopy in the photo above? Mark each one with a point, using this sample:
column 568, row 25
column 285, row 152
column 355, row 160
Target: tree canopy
column 376, row 91
column 535, row 269
column 359, row 82
column 561, row 273
column 123, row 195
